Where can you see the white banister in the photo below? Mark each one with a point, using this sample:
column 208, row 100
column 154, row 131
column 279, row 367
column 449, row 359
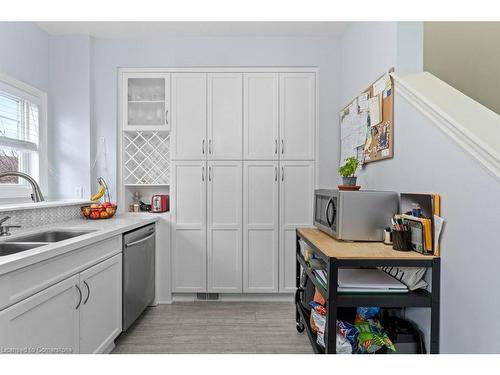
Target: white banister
column 473, row 126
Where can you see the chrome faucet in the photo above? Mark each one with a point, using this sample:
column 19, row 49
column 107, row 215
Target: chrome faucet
column 37, row 195
column 4, row 229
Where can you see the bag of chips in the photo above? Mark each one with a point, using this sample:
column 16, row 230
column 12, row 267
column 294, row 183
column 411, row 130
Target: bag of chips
column 367, row 312
column 371, row 336
column 343, row 345
column 350, row 332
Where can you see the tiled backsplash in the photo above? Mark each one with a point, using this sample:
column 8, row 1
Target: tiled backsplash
column 41, row 216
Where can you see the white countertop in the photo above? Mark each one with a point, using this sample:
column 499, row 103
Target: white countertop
column 103, row 230
column 44, row 204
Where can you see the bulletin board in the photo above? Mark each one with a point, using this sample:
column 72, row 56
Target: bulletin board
column 367, row 123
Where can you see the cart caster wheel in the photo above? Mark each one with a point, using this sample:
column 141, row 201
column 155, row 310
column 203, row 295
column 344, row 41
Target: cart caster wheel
column 300, row 327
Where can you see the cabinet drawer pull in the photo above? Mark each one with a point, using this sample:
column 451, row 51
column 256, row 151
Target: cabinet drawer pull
column 210, row 146
column 203, row 174
column 80, row 299
column 275, row 173
column 166, row 117
column 282, row 147
column 282, row 174
column 203, row 146
column 209, row 173
column 275, row 146
column 88, row 292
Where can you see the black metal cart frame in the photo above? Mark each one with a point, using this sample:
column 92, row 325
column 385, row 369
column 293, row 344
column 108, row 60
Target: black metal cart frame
column 334, row 300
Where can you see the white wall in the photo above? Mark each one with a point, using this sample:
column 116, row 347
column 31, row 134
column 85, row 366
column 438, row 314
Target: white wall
column 469, row 246
column 24, row 53
column 425, row 160
column 367, row 50
column 60, row 66
column 69, row 115
column 466, row 55
column 214, row 51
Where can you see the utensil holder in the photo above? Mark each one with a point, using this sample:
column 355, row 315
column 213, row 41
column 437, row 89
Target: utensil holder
column 401, row 240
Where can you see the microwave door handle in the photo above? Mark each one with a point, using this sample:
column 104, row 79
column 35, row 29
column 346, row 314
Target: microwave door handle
column 330, row 201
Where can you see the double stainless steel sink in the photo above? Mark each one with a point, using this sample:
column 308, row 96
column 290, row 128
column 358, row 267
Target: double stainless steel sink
column 31, row 241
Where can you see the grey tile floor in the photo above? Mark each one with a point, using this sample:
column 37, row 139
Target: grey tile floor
column 215, row 327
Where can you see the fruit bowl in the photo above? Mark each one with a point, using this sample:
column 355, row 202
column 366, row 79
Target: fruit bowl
column 99, row 211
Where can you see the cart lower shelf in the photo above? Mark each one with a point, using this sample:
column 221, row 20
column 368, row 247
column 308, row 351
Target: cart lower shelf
column 304, row 324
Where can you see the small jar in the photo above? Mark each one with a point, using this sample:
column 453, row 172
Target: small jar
column 388, row 236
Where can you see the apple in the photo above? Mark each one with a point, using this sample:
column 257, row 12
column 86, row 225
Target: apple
column 104, row 215
column 94, row 215
column 107, row 204
column 94, row 205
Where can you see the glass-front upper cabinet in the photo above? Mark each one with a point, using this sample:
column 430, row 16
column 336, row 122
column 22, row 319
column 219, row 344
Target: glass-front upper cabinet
column 146, row 101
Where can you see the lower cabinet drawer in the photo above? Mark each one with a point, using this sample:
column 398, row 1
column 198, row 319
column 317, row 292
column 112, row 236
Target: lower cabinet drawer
column 25, row 282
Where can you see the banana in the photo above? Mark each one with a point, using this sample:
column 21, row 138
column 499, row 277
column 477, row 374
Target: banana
column 99, row 194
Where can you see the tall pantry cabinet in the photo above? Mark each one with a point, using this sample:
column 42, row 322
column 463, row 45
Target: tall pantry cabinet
column 243, row 174
column 207, row 182
column 278, row 180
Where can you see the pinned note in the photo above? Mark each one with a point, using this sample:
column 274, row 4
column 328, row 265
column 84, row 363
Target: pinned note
column 363, row 102
column 375, row 110
column 383, row 84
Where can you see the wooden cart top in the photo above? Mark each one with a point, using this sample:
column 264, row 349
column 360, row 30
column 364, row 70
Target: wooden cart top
column 356, row 250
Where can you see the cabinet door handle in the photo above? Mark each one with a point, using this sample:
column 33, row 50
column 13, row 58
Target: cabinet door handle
column 275, row 173
column 275, row 146
column 282, row 147
column 209, row 173
column 210, row 146
column 203, row 146
column 203, row 174
column 88, row 292
column 166, row 117
column 80, row 299
column 282, row 174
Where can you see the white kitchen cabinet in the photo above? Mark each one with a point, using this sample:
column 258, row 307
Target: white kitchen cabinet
column 48, row 319
column 189, row 234
column 225, row 116
column 296, row 210
column 189, row 116
column 101, row 307
column 146, row 101
column 297, row 116
column 224, row 225
column 260, row 226
column 260, row 116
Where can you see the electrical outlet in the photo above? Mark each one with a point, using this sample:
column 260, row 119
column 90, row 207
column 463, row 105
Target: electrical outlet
column 79, row 192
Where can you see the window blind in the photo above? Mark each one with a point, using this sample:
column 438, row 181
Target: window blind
column 19, row 123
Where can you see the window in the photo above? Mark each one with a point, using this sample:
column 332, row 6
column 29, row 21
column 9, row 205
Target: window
column 22, row 129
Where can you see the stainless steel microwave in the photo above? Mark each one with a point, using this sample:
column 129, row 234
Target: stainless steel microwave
column 354, row 215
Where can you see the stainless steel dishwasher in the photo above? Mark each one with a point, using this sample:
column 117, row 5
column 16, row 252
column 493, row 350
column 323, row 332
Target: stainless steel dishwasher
column 138, row 272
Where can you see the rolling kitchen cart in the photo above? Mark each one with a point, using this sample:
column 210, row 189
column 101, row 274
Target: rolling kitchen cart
column 338, row 254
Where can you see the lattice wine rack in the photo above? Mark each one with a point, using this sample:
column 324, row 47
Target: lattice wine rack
column 147, row 158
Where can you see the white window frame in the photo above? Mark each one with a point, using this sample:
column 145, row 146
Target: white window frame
column 39, row 97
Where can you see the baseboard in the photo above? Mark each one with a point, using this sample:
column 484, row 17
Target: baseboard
column 264, row 297
column 250, row 297
column 109, row 348
column 166, row 302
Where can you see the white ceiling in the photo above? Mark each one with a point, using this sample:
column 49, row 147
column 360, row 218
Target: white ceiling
column 172, row 29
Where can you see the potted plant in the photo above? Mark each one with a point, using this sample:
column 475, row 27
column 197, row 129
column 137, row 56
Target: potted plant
column 348, row 171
